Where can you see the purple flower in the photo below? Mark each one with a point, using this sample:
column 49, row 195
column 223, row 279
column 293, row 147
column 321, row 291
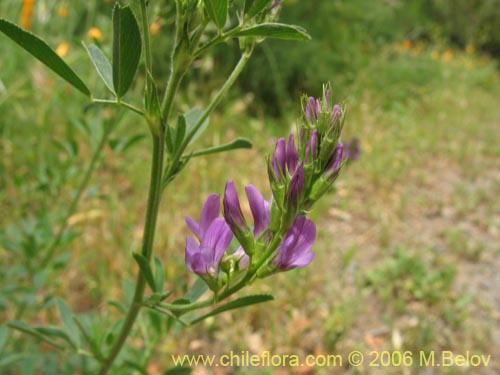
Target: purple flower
column 294, row 251
column 275, row 4
column 242, row 258
column 285, row 157
column 335, row 161
column 209, row 212
column 234, row 216
column 312, row 109
column 214, row 236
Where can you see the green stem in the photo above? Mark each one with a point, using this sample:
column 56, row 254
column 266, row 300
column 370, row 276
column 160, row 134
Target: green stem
column 119, row 104
column 145, row 31
column 154, row 196
column 229, row 82
column 72, row 207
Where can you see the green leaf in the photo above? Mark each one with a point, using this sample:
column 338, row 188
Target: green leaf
column 236, row 304
column 56, row 332
column 233, row 145
column 217, row 10
column 178, row 371
column 274, row 30
column 102, row 65
column 146, row 270
column 254, row 7
column 20, row 326
column 95, row 349
column 169, row 139
column 199, row 287
column 126, row 48
column 192, row 116
column 41, row 50
column 159, row 274
column 69, row 324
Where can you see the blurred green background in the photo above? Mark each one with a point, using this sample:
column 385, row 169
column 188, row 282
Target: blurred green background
column 408, row 245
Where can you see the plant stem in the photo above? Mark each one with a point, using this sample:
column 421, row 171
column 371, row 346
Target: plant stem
column 154, row 196
column 229, row 82
column 119, row 104
column 145, row 31
column 74, row 203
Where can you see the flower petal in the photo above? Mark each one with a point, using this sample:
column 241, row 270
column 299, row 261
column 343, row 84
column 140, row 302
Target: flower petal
column 260, row 211
column 232, row 208
column 209, row 212
column 192, row 249
column 193, row 227
column 292, row 156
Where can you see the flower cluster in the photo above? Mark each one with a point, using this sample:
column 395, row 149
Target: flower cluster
column 281, row 236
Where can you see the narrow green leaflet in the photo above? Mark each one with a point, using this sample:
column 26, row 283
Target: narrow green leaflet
column 217, row 10
column 274, row 30
column 192, row 116
column 126, row 48
column 254, row 7
column 41, row 50
column 69, row 324
column 233, row 145
column 146, row 270
column 20, row 326
column 236, row 304
column 180, row 131
column 102, row 65
column 199, row 287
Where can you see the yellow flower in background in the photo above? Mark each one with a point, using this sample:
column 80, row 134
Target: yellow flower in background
column 470, row 49
column 62, row 49
column 26, row 13
column 62, row 11
column 95, row 33
column 447, row 55
column 154, row 29
column 407, row 44
column 434, row 55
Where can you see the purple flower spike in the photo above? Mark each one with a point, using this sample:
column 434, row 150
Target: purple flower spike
column 275, row 4
column 260, row 209
column 295, row 250
column 204, row 259
column 209, row 212
column 232, row 209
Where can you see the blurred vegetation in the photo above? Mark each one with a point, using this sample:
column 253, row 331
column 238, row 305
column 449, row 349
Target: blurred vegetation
column 421, row 81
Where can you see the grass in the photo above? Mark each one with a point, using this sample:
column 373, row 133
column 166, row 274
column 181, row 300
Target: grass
column 405, row 245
